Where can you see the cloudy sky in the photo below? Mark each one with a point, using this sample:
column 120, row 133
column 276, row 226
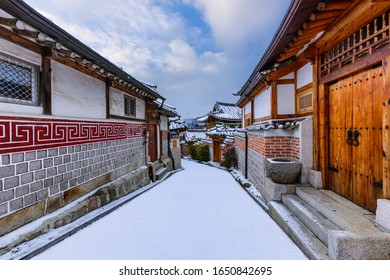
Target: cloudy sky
column 196, row 51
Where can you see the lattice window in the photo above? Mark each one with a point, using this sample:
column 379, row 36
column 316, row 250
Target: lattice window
column 18, row 81
column 365, row 41
column 130, row 106
column 305, row 101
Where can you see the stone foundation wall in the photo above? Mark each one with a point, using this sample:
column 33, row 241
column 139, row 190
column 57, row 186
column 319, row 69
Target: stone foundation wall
column 164, row 138
column 34, row 183
column 239, row 145
column 176, row 152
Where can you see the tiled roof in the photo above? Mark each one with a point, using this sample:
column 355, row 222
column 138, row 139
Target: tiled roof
column 177, row 125
column 194, row 135
column 226, row 112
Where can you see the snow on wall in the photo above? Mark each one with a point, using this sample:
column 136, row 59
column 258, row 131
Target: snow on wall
column 305, row 75
column 75, row 94
column 263, row 104
column 286, row 99
column 117, row 104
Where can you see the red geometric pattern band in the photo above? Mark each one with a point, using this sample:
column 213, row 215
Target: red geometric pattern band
column 27, row 134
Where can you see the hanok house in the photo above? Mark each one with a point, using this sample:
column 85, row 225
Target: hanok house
column 222, row 113
column 217, row 123
column 221, row 134
column 70, row 122
column 320, row 94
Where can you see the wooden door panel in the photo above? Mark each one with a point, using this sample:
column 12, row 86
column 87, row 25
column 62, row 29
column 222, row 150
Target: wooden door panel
column 340, row 121
column 153, row 142
column 356, row 104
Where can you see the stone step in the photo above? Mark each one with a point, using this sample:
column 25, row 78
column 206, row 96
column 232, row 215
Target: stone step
column 312, row 219
column 160, row 173
column 303, row 237
column 340, row 211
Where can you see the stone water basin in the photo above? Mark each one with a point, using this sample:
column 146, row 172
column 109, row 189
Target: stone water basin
column 283, row 170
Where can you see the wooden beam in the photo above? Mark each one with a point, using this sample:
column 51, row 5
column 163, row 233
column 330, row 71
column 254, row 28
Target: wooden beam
column 19, row 40
column 316, row 23
column 46, row 81
column 325, row 15
column 341, row 5
column 360, row 15
column 352, row 68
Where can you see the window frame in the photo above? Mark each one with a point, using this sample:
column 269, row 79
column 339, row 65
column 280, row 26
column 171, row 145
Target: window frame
column 34, row 80
column 127, row 108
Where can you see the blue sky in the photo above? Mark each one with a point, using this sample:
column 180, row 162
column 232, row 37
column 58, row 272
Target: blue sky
column 196, row 51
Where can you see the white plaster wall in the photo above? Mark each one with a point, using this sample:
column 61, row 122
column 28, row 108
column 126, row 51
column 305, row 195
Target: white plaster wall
column 305, row 75
column 16, row 51
column 286, row 99
column 164, row 123
column 248, row 108
column 75, row 94
column 288, row 76
column 117, row 104
column 262, row 104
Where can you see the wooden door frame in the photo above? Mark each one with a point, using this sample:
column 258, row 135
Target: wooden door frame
column 323, row 120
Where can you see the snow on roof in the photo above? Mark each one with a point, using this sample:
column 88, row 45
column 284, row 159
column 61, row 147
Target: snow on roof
column 289, row 124
column 202, row 118
column 177, row 125
column 226, row 112
column 222, row 130
column 194, row 135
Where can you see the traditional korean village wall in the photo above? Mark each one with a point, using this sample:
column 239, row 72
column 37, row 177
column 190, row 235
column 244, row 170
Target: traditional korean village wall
column 91, row 132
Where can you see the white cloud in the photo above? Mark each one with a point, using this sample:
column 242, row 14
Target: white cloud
column 152, row 42
column 236, row 23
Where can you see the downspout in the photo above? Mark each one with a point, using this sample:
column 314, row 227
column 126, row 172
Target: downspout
column 246, row 154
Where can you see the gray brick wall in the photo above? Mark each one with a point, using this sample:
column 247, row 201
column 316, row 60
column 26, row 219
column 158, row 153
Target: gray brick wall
column 256, row 168
column 240, row 160
column 26, row 178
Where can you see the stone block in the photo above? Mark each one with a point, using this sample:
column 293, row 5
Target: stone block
column 10, row 183
column 16, row 204
column 36, row 186
column 6, row 196
column 7, row 171
column 344, row 245
column 21, row 217
column 5, row 159
column 3, row 210
column 53, row 203
column 16, row 158
column 31, row 156
column 21, row 191
column 26, row 178
column 35, row 165
column 30, row 199
column 275, row 190
column 315, row 179
column 21, row 168
column 383, row 213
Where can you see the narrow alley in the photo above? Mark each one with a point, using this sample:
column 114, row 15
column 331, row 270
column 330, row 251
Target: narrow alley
column 200, row 213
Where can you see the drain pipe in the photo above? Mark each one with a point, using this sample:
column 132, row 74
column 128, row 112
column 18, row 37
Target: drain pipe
column 246, row 154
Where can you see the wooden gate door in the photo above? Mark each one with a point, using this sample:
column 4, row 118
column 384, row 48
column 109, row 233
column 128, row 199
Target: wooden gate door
column 355, row 138
column 153, row 142
column 216, row 151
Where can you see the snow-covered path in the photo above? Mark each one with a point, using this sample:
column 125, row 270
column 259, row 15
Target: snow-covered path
column 200, row 213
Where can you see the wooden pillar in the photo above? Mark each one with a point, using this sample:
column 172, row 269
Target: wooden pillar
column 46, row 81
column 108, row 85
column 386, row 128
column 323, row 131
column 316, row 124
column 274, row 101
column 252, row 111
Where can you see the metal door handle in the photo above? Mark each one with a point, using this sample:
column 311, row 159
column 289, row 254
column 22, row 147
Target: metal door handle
column 349, row 137
column 355, row 140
